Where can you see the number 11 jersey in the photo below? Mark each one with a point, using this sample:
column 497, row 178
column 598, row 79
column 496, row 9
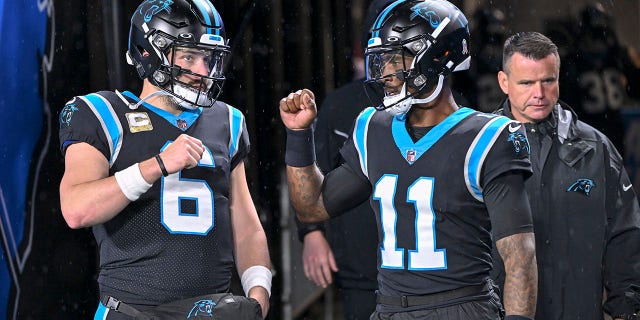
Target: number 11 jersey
column 434, row 228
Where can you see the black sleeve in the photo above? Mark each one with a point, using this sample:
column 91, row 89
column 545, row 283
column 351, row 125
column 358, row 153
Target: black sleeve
column 510, row 151
column 622, row 258
column 343, row 189
column 79, row 124
column 508, row 205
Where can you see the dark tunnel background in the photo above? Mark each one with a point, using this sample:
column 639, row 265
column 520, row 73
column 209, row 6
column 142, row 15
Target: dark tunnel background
column 277, row 46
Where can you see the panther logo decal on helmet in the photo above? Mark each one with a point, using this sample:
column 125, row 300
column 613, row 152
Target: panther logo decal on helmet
column 426, row 14
column 180, row 46
column 425, row 40
column 149, row 8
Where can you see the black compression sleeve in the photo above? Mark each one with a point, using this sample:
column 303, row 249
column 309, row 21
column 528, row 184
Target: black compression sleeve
column 343, row 189
column 508, row 205
column 300, row 148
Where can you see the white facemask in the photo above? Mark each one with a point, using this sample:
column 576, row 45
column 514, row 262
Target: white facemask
column 190, row 94
column 402, row 102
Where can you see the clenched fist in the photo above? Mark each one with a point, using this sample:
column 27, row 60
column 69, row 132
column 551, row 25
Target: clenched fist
column 298, row 109
column 183, row 153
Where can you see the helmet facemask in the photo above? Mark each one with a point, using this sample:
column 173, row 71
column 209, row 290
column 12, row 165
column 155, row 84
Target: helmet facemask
column 398, row 60
column 192, row 72
column 433, row 33
column 180, row 47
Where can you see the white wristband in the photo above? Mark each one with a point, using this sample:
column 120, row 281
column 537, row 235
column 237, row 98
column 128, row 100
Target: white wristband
column 256, row 276
column 131, row 182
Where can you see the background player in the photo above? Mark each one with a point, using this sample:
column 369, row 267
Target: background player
column 600, row 76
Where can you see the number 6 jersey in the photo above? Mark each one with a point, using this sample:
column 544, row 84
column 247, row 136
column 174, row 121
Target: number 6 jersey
column 434, row 228
column 175, row 241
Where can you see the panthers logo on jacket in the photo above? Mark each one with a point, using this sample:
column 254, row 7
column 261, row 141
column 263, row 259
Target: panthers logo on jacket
column 582, row 186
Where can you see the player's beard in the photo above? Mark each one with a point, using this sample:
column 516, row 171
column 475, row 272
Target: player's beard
column 171, row 102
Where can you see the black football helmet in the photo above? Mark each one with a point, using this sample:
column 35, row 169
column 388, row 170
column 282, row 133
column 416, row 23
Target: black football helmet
column 596, row 18
column 433, row 34
column 163, row 31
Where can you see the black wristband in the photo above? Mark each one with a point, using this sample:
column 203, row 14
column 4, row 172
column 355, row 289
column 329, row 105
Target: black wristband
column 300, row 148
column 306, row 228
column 161, row 164
column 517, row 317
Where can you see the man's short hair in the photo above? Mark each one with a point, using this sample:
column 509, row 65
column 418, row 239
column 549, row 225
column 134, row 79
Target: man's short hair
column 532, row 45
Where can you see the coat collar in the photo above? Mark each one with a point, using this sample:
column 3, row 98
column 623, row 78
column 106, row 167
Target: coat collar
column 563, row 119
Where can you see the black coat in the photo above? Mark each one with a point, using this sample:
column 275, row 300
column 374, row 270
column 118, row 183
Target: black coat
column 586, row 221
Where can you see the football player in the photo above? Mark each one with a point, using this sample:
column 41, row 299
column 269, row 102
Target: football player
column 600, row 77
column 159, row 176
column 444, row 181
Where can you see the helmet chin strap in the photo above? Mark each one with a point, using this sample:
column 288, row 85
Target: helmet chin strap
column 401, row 103
column 202, row 99
column 433, row 95
column 151, row 95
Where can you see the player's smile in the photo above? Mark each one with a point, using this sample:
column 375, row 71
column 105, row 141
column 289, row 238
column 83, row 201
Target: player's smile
column 392, row 90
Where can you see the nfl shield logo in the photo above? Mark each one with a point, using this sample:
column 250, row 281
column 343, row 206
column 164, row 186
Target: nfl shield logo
column 182, row 124
column 411, row 155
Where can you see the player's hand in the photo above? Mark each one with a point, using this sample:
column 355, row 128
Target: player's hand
column 183, row 153
column 298, row 109
column 262, row 296
column 317, row 259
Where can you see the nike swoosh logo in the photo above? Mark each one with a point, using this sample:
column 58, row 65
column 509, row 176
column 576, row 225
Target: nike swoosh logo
column 514, row 129
column 340, row 133
column 626, row 188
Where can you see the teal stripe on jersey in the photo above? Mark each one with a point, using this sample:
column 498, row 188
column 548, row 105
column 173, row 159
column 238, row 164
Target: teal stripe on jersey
column 101, row 312
column 478, row 151
column 235, row 120
column 189, row 116
column 405, row 143
column 360, row 136
column 109, row 121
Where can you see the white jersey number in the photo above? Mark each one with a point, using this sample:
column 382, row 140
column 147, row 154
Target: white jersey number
column 420, row 193
column 174, row 190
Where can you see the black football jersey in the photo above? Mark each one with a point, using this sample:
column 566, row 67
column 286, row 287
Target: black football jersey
column 434, row 227
column 175, row 241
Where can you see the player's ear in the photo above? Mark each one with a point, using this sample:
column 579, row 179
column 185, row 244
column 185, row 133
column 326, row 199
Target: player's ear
column 503, row 78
